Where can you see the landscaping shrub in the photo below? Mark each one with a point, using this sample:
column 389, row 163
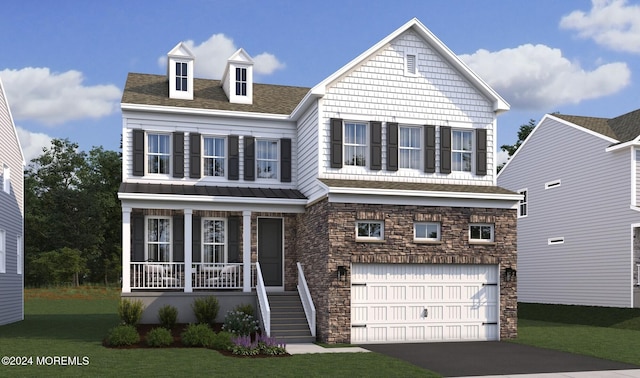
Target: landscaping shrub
column 159, row 337
column 246, row 308
column 122, row 335
column 242, row 346
column 198, row 335
column 270, row 346
column 130, row 312
column 222, row 341
column 168, row 316
column 206, row 309
column 239, row 323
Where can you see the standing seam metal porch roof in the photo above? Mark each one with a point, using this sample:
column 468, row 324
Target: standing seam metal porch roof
column 210, row 190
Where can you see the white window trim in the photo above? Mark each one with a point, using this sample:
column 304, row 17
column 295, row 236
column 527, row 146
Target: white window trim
column 418, row 149
column 553, row 184
column 493, row 231
column 224, row 156
column 276, row 160
column 524, row 203
column 237, row 81
column 370, row 238
column 6, row 179
column 203, row 243
column 19, row 260
column 366, row 145
column 556, row 240
column 3, row 251
column 427, row 239
column 186, row 64
column 147, row 154
column 470, row 152
column 146, row 236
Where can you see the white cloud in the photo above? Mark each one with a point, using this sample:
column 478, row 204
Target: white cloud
column 610, row 23
column 212, row 55
column 32, row 143
column 502, row 158
column 537, row 77
column 53, row 98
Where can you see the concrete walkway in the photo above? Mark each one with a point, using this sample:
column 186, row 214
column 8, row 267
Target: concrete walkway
column 634, row 373
column 313, row 348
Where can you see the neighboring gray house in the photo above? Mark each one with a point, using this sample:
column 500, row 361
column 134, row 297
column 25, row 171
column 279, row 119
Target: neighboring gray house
column 11, row 218
column 579, row 221
column 378, row 185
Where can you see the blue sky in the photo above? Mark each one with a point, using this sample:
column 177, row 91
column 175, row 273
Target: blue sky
column 64, row 63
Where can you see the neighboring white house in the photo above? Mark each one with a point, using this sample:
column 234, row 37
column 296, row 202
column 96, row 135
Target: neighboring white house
column 579, row 221
column 11, row 218
column 379, row 181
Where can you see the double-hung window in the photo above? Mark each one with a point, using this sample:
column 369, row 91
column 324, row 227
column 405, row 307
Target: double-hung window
column 267, row 159
column 523, row 208
column 462, row 150
column 158, row 153
column 6, row 178
column 369, row 230
column 159, row 239
column 426, row 231
column 182, row 76
column 214, row 241
column 409, row 147
column 241, row 81
column 479, row 232
column 3, row 251
column 355, row 144
column 213, row 156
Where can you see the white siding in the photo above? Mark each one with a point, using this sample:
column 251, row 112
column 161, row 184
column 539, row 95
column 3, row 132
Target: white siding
column 590, row 210
column 308, row 159
column 379, row 90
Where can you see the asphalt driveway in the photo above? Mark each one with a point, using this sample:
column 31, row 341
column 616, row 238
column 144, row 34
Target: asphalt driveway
column 492, row 358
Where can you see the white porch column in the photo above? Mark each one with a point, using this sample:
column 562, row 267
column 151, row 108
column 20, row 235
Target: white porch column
column 188, row 247
column 126, row 249
column 246, row 250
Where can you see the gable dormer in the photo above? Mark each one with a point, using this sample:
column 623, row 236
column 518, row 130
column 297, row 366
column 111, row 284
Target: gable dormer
column 237, row 80
column 180, row 72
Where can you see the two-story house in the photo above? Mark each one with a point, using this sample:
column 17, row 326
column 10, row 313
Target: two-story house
column 579, row 219
column 373, row 194
column 11, row 217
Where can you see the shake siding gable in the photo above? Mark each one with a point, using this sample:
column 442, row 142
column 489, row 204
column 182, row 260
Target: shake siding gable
column 592, row 267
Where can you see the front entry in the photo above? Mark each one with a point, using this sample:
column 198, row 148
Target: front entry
column 270, row 252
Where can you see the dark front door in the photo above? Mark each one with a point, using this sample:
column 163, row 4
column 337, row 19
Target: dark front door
column 270, row 250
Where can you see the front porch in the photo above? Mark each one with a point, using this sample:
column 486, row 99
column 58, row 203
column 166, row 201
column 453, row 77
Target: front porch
column 198, row 276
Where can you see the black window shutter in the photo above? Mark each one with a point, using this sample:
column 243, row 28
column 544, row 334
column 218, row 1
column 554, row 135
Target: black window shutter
column 178, row 155
column 195, row 151
column 195, row 239
column 481, row 152
column 235, row 235
column 285, row 160
column 138, row 153
column 445, row 149
column 392, row 146
column 376, row 146
column 234, row 158
column 249, row 158
column 137, row 253
column 178, row 238
column 336, row 142
column 429, row 149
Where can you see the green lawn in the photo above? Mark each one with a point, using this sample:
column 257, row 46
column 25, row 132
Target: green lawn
column 609, row 333
column 72, row 322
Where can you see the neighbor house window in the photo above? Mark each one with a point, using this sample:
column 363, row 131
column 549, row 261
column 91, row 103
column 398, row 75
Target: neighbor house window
column 159, row 239
column 461, row 151
column 182, row 77
column 6, row 178
column 3, row 252
column 481, row 232
column 429, row 231
column 552, row 184
column 158, row 153
column 558, row 240
column 241, row 81
column 213, row 241
column 370, row 230
column 267, row 159
column 409, row 147
column 213, row 156
column 19, row 255
column 355, row 144
column 523, row 204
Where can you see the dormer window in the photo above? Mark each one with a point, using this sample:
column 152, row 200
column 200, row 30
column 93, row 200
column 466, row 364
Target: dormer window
column 241, row 81
column 180, row 72
column 182, row 77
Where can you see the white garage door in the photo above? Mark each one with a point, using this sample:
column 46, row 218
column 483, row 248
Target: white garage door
column 396, row 303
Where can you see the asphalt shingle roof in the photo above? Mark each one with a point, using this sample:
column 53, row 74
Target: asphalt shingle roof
column 145, row 89
column 622, row 128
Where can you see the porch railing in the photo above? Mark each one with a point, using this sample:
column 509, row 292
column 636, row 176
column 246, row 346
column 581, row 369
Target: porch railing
column 172, row 275
column 307, row 302
column 263, row 302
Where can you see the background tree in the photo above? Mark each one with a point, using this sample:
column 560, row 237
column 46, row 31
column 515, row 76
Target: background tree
column 523, row 133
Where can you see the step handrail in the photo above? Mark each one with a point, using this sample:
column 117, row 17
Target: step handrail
column 263, row 301
column 307, row 301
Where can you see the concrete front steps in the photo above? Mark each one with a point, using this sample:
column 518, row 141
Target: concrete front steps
column 288, row 321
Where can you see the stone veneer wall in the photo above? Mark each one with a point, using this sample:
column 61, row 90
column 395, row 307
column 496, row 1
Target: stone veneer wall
column 329, row 241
